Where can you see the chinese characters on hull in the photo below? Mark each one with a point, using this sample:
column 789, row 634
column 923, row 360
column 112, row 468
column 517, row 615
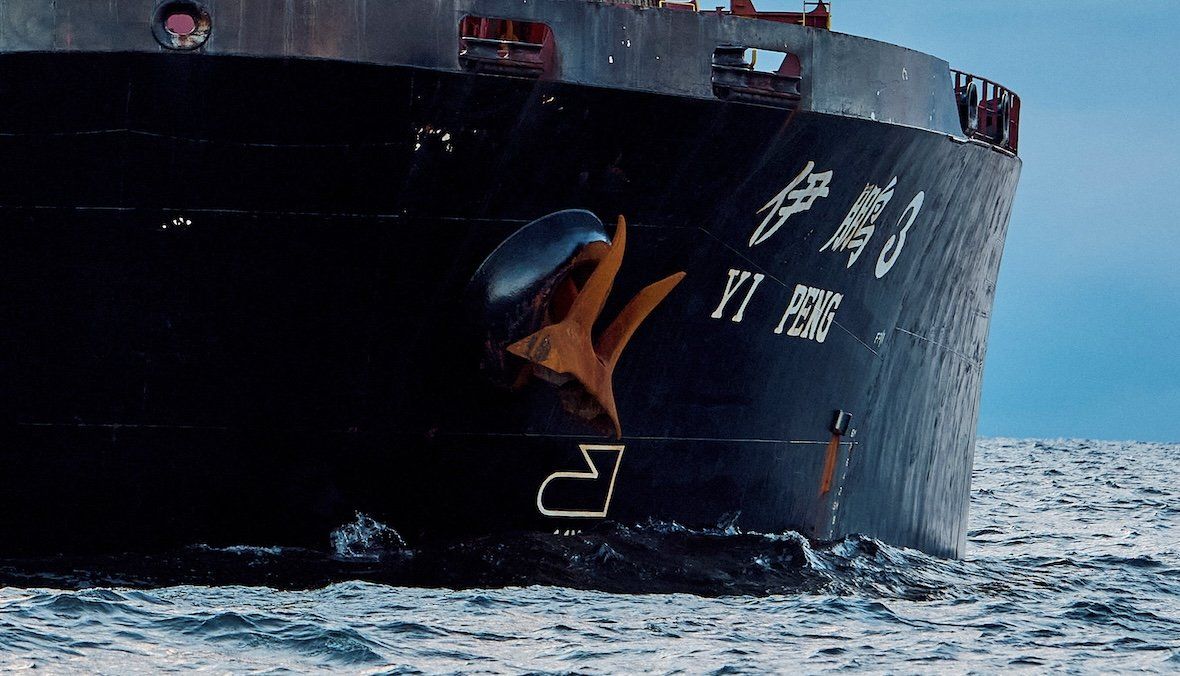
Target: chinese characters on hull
column 790, row 201
column 811, row 311
column 858, row 226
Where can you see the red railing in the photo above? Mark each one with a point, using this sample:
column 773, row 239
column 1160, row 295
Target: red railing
column 987, row 110
column 815, row 14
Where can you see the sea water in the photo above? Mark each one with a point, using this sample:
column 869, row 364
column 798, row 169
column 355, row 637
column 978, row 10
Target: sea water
column 1073, row 562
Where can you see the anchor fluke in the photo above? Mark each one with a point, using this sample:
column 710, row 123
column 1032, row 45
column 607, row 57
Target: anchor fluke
column 567, row 350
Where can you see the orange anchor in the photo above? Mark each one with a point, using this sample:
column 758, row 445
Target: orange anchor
column 567, row 347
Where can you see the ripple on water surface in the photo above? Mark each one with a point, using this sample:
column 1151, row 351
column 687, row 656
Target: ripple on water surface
column 1072, row 562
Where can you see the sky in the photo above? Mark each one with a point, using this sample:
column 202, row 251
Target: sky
column 1085, row 335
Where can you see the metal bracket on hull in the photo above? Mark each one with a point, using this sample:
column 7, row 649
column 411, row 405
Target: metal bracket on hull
column 841, row 420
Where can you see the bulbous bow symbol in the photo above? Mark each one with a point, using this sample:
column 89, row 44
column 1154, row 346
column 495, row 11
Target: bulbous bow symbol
column 567, row 347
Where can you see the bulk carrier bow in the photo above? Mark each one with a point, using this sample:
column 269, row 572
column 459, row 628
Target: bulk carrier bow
column 479, row 265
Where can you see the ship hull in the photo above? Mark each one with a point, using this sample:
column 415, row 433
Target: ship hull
column 239, row 307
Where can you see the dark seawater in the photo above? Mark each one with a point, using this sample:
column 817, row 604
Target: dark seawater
column 1073, row 563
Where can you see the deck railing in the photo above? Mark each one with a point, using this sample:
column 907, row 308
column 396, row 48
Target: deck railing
column 987, row 110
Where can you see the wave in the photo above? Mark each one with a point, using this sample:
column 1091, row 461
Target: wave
column 652, row 557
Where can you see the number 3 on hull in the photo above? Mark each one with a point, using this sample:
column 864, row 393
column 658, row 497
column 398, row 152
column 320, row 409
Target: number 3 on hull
column 593, row 474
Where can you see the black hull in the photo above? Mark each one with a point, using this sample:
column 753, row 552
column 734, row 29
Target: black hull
column 298, row 345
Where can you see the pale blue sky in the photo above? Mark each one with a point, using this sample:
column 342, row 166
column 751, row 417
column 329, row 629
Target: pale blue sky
column 1085, row 337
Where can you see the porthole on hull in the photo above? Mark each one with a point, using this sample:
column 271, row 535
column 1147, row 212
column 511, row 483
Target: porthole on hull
column 182, row 25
